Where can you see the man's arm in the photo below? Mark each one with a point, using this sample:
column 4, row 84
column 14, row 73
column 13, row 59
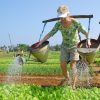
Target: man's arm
column 83, row 30
column 44, row 39
column 50, row 34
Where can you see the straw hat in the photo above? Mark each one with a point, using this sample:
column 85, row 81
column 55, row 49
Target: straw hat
column 62, row 11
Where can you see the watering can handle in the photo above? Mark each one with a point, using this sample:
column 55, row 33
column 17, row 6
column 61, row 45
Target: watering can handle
column 42, row 31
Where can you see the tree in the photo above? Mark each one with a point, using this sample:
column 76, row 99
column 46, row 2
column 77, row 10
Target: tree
column 22, row 47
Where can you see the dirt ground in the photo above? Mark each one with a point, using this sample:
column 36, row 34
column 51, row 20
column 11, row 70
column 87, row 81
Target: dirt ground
column 52, row 80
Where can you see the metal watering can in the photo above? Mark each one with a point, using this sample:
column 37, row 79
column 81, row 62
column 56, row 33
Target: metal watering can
column 88, row 54
column 41, row 52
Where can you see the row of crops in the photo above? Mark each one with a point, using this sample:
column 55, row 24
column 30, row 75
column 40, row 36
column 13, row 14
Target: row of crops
column 51, row 67
column 33, row 92
column 32, row 66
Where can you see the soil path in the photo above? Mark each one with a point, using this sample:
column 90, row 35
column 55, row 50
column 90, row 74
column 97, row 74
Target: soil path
column 51, row 80
column 44, row 80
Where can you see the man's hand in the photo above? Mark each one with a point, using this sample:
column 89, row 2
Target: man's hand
column 39, row 44
column 88, row 43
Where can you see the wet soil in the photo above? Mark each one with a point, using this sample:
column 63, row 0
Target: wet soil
column 52, row 80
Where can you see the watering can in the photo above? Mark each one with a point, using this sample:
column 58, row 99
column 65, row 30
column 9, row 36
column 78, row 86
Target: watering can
column 88, row 54
column 41, row 52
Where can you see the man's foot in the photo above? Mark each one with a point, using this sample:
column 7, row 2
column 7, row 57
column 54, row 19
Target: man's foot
column 64, row 82
column 73, row 87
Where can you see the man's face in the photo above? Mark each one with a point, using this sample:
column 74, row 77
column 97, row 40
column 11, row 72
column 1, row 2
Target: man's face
column 64, row 19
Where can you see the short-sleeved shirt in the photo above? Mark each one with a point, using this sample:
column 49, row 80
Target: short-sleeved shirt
column 69, row 34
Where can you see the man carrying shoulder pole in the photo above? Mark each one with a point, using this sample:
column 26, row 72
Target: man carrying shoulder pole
column 69, row 28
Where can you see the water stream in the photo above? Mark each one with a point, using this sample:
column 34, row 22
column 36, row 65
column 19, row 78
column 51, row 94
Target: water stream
column 83, row 73
column 14, row 71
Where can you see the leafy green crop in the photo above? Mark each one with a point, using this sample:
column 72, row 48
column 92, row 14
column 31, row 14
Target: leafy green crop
column 33, row 92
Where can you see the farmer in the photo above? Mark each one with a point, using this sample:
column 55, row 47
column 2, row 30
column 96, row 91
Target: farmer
column 20, row 57
column 69, row 28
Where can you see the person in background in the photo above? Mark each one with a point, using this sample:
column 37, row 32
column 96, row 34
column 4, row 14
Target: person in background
column 70, row 29
column 20, row 57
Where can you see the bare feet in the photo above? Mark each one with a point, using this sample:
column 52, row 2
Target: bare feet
column 64, row 82
column 73, row 87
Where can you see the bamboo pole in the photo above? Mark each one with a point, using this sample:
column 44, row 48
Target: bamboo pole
column 73, row 16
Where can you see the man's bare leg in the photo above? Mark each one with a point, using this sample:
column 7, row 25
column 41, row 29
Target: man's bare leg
column 65, row 72
column 74, row 72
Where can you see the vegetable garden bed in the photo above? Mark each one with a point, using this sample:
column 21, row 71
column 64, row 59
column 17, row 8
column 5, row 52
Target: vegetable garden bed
column 40, row 81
